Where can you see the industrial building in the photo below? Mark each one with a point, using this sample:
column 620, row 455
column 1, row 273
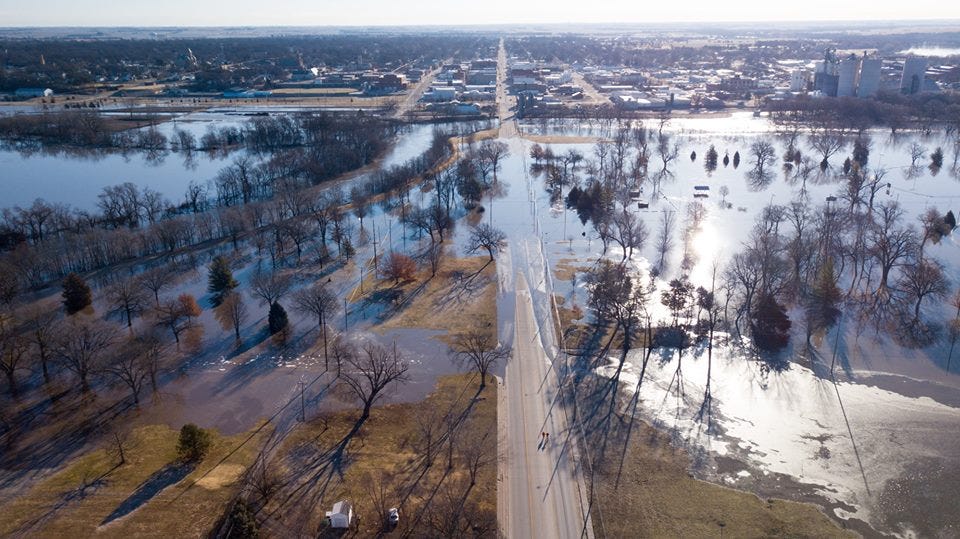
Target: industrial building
column 848, row 69
column 799, row 79
column 851, row 76
column 870, row 70
column 914, row 70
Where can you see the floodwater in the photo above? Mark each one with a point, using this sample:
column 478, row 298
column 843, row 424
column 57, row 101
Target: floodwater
column 77, row 178
column 848, row 442
column 872, row 447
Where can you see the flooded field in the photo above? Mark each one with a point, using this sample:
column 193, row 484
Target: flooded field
column 871, row 446
column 76, row 177
column 874, row 445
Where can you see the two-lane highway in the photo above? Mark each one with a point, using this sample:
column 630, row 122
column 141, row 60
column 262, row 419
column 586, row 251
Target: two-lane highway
column 544, row 495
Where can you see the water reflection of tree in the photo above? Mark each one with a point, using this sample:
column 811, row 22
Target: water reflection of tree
column 759, row 180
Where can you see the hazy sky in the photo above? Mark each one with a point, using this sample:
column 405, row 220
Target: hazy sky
column 417, row 12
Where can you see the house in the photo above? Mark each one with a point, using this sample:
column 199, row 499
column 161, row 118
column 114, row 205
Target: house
column 341, row 515
column 440, row 94
column 33, row 92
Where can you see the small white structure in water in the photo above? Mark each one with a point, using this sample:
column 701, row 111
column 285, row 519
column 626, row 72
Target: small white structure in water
column 341, row 515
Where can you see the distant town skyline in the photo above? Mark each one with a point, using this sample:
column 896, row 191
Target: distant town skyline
column 15, row 13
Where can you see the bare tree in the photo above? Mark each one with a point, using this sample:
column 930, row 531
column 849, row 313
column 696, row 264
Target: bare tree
column 630, row 232
column 9, row 283
column 369, row 371
column 270, row 286
column 126, row 297
column 434, row 254
column 890, row 244
column 232, row 312
column 81, row 345
column 492, row 152
column 131, row 367
column 40, row 326
column 487, row 238
column 399, row 267
column 668, row 153
column 479, row 351
column 319, row 301
column 922, row 280
column 827, row 143
column 177, row 314
column 932, row 227
column 299, row 231
column 665, row 237
column 764, row 156
column 13, row 351
column 360, row 203
column 157, row 280
column 917, row 153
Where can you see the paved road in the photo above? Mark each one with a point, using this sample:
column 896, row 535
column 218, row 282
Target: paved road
column 508, row 122
column 593, row 96
column 413, row 96
column 543, row 494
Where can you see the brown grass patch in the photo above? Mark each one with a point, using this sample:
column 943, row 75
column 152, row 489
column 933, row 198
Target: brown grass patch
column 461, row 296
column 657, row 497
column 75, row 501
column 566, row 269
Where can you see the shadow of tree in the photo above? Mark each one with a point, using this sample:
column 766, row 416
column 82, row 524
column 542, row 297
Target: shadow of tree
column 170, row 474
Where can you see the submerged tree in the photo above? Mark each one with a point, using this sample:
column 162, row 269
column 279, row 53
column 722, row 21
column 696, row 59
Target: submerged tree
column 922, row 280
column 710, row 162
column 822, row 309
column 770, row 324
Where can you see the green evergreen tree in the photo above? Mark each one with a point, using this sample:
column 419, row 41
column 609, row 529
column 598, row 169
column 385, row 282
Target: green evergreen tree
column 76, row 294
column 277, row 319
column 936, row 158
column 770, row 324
column 193, row 443
column 220, row 279
column 243, row 522
column 710, row 163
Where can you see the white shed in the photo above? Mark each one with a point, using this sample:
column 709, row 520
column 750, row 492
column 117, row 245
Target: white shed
column 341, row 515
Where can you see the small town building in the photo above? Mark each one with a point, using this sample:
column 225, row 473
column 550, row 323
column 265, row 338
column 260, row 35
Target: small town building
column 341, row 515
column 33, row 92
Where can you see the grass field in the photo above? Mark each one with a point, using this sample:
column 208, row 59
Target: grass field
column 461, row 296
column 385, row 465
column 91, row 494
column 655, row 496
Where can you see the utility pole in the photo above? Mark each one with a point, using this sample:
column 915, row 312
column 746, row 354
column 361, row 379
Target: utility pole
column 836, row 344
column 303, row 409
column 374, row 247
column 345, row 315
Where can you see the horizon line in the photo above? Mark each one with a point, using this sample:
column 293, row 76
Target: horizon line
column 713, row 22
